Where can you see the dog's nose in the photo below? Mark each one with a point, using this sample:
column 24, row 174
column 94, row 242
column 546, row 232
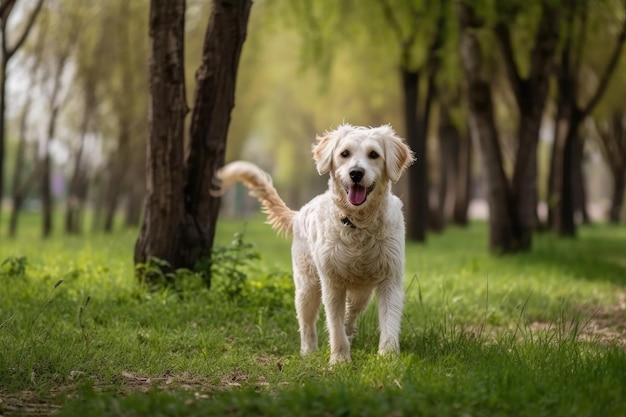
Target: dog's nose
column 356, row 175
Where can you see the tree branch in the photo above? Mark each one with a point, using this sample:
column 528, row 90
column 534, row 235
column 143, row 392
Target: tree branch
column 5, row 5
column 608, row 71
column 503, row 36
column 391, row 18
column 27, row 28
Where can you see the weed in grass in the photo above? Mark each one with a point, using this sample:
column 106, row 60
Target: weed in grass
column 228, row 265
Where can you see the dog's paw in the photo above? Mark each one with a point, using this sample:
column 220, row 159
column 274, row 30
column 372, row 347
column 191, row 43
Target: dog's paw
column 336, row 359
column 389, row 348
column 351, row 332
column 306, row 351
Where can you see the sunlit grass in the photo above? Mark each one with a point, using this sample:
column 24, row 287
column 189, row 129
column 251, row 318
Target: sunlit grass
column 481, row 335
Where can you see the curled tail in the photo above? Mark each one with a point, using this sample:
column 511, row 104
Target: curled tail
column 279, row 216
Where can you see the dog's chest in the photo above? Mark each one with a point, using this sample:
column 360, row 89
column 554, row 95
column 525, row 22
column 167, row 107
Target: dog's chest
column 356, row 258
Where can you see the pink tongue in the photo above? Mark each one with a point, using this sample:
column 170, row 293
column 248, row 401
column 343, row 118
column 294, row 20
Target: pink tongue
column 357, row 194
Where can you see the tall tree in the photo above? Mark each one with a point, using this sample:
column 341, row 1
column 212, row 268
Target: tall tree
column 611, row 136
column 566, row 155
column 7, row 51
column 417, row 119
column 504, row 233
column 530, row 92
column 180, row 214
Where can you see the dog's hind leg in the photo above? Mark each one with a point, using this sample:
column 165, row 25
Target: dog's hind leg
column 308, row 300
column 356, row 302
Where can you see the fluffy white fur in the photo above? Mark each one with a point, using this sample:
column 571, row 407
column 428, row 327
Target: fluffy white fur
column 342, row 251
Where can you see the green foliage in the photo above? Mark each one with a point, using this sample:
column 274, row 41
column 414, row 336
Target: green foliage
column 13, row 266
column 228, row 264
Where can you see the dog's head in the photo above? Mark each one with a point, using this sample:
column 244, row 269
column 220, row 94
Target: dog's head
column 360, row 159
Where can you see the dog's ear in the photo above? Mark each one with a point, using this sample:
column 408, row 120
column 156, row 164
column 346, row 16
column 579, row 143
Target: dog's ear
column 325, row 146
column 398, row 156
column 323, row 153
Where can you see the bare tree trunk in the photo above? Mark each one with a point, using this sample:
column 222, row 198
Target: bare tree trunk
column 214, row 99
column 463, row 180
column 180, row 215
column 46, row 180
column 74, row 192
column 77, row 190
column 6, row 54
column 569, row 118
column 161, row 229
column 578, row 181
column 504, row 233
column 530, row 94
column 3, row 72
column 119, row 168
column 448, row 167
column 417, row 203
column 612, row 142
column 19, row 168
column 617, row 197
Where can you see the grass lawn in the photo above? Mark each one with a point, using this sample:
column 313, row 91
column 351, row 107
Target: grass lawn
column 536, row 334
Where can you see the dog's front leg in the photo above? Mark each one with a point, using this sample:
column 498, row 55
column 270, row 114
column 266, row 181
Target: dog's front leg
column 390, row 304
column 334, row 298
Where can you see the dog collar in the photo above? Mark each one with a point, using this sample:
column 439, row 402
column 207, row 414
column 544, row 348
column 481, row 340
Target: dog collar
column 346, row 222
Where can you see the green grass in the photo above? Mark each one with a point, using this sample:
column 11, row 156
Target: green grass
column 533, row 334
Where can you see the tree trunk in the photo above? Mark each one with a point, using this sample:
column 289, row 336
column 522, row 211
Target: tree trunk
column 448, row 167
column 417, row 203
column 463, row 180
column 119, row 167
column 180, row 216
column 77, row 189
column 617, row 198
column 563, row 205
column 578, row 181
column 3, row 81
column 504, row 232
column 530, row 95
column 46, row 180
column 569, row 118
column 19, row 168
column 161, row 229
column 6, row 53
column 214, row 99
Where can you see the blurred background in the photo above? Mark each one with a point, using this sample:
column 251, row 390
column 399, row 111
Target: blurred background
column 76, row 97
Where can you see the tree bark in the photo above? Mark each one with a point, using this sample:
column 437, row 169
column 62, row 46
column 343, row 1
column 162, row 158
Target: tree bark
column 617, row 197
column 570, row 116
column 119, row 167
column 214, row 99
column 463, row 180
column 612, row 141
column 7, row 53
column 417, row 203
column 180, row 215
column 19, row 169
column 530, row 94
column 504, row 233
column 161, row 229
column 77, row 189
column 449, row 139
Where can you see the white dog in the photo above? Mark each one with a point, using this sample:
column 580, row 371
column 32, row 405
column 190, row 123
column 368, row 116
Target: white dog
column 346, row 242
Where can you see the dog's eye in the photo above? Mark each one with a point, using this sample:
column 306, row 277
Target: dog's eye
column 345, row 154
column 373, row 155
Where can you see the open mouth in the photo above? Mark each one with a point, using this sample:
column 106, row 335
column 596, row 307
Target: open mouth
column 357, row 194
